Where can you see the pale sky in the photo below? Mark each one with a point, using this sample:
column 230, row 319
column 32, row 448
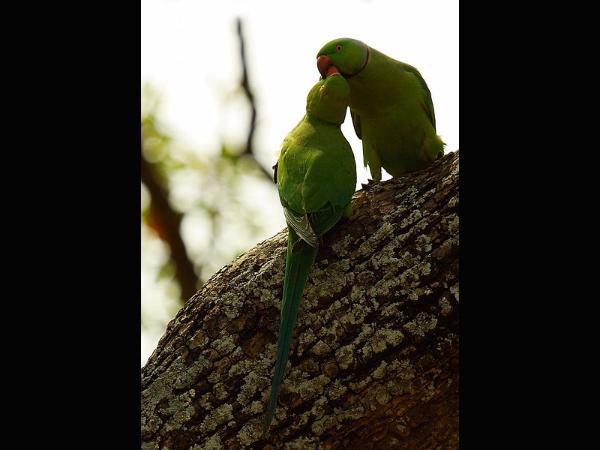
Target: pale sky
column 190, row 54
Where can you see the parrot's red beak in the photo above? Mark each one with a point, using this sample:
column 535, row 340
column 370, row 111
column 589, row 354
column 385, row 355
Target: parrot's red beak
column 323, row 64
column 332, row 70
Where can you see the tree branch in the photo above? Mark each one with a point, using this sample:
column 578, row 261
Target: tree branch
column 245, row 83
column 169, row 223
column 374, row 362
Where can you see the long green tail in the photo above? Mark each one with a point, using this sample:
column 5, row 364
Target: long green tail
column 298, row 261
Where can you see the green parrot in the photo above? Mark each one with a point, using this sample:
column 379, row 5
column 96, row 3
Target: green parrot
column 316, row 177
column 390, row 105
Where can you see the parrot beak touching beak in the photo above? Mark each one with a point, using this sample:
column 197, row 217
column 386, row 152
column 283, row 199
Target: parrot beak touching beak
column 323, row 64
column 332, row 71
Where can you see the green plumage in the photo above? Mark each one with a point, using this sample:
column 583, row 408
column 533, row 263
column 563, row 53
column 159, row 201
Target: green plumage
column 391, row 107
column 316, row 177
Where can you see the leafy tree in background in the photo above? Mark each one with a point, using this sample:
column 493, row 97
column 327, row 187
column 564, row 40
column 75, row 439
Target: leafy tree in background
column 218, row 198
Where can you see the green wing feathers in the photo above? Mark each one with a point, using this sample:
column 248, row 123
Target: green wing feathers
column 301, row 224
column 356, row 123
column 371, row 159
column 299, row 259
column 427, row 102
column 323, row 220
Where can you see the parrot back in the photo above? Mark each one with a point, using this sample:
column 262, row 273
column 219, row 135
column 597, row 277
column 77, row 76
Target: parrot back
column 392, row 107
column 316, row 166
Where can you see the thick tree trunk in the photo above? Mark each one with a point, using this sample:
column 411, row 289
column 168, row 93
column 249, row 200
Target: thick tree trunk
column 374, row 361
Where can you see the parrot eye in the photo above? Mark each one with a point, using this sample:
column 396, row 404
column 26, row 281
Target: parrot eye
column 338, row 48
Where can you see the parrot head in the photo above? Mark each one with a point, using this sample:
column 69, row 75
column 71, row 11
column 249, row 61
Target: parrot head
column 348, row 55
column 329, row 98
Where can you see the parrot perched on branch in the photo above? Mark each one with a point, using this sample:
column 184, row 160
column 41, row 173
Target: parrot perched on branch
column 316, row 177
column 390, row 104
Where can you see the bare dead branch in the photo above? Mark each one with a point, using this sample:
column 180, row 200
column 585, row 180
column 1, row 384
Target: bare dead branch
column 249, row 151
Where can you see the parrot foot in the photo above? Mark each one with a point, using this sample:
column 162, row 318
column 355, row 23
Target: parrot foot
column 370, row 183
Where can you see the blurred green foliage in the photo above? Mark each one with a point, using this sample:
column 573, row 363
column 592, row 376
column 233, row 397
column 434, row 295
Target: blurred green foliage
column 225, row 200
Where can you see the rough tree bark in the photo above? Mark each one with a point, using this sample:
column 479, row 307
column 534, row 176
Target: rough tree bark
column 374, row 361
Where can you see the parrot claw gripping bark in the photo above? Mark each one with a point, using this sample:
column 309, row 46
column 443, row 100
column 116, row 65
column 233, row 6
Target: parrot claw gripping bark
column 316, row 177
column 390, row 104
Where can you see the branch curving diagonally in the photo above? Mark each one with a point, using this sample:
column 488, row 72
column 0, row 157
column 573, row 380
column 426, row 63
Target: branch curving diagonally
column 374, row 361
column 249, row 151
column 169, row 221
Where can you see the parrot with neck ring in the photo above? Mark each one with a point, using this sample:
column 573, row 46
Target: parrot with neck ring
column 316, row 177
column 390, row 104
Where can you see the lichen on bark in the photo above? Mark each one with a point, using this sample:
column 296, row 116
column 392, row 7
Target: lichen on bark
column 374, row 360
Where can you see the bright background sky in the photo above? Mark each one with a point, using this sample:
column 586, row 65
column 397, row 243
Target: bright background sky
column 190, row 54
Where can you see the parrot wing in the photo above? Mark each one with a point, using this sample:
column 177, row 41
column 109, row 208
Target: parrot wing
column 324, row 219
column 427, row 103
column 310, row 227
column 356, row 123
column 300, row 223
